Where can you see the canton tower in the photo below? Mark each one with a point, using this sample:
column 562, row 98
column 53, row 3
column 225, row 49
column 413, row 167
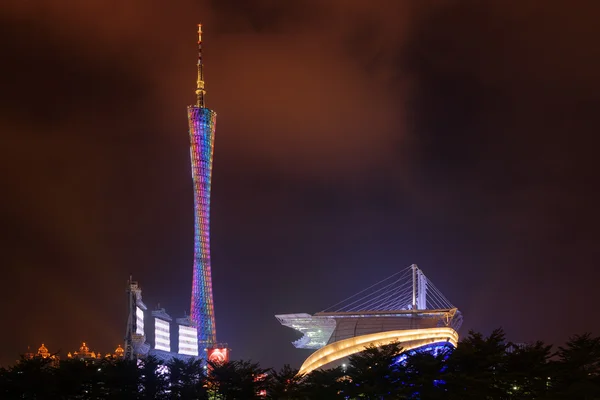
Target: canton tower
column 201, row 122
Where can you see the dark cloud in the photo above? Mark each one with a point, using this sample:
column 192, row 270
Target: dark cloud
column 353, row 138
column 502, row 105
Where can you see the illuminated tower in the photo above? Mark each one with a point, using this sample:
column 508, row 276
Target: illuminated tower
column 202, row 133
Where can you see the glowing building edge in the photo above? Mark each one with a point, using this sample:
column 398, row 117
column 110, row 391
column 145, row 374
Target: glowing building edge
column 407, row 339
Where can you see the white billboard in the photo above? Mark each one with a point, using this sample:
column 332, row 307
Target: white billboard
column 188, row 340
column 162, row 335
column 139, row 323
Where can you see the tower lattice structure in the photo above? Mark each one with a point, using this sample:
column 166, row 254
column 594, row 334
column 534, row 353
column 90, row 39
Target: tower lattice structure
column 201, row 122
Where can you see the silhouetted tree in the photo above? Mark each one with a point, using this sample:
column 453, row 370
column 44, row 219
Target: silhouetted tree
column 475, row 367
column 76, row 379
column 326, row 384
column 286, row 384
column 120, row 379
column 29, row 379
column 578, row 368
column 423, row 375
column 482, row 368
column 238, row 380
column 528, row 371
column 373, row 373
column 187, row 379
column 153, row 379
column 4, row 383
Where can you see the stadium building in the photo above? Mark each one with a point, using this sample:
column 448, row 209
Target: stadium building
column 405, row 307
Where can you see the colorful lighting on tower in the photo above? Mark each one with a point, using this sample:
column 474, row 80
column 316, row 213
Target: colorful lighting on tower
column 202, row 133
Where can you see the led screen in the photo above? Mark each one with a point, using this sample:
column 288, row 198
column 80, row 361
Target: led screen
column 218, row 356
column 162, row 335
column 139, row 323
column 188, row 340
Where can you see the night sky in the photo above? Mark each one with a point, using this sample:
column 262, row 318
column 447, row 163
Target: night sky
column 353, row 139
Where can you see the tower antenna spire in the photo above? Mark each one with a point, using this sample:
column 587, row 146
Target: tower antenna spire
column 200, row 92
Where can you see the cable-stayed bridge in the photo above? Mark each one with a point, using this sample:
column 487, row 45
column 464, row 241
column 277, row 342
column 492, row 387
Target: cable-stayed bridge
column 404, row 307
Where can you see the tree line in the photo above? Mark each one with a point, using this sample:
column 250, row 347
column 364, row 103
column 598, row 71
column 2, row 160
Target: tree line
column 481, row 367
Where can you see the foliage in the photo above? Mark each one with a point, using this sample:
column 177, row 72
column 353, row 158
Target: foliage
column 153, row 384
column 423, row 374
column 324, row 384
column 371, row 375
column 238, row 380
column 481, row 367
column 286, row 384
column 578, row 368
column 187, row 379
column 476, row 367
